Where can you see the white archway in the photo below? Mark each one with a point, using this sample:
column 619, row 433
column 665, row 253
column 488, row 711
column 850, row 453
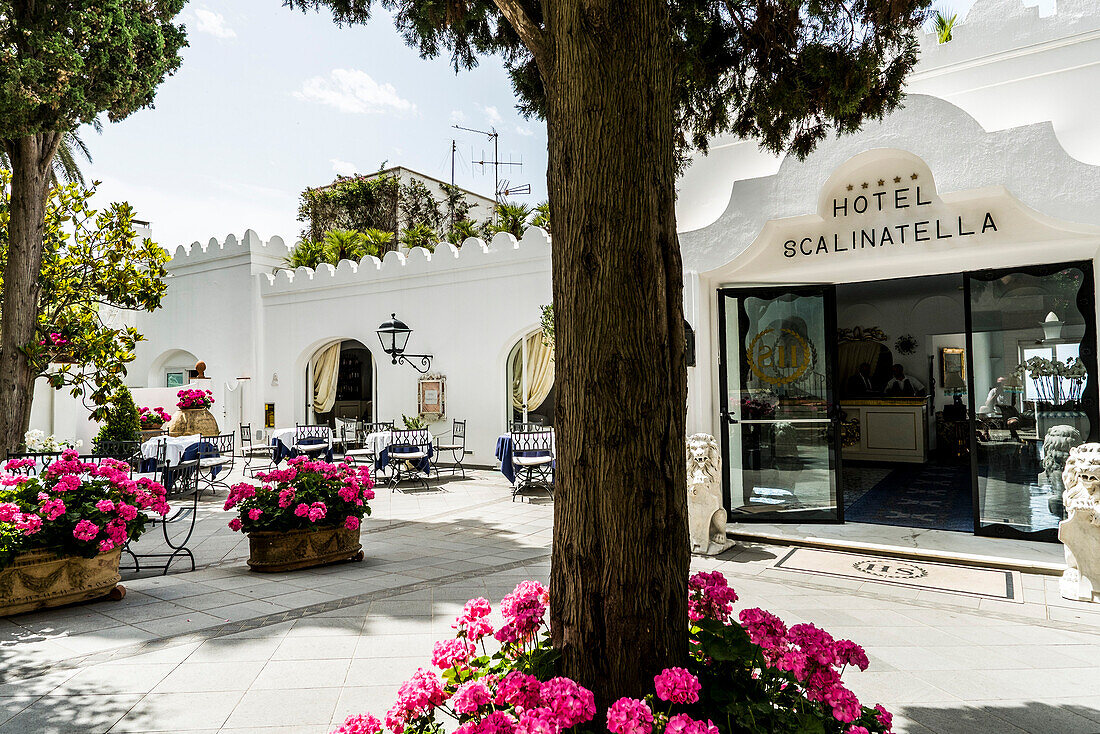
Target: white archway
column 347, row 390
column 530, row 394
column 173, row 368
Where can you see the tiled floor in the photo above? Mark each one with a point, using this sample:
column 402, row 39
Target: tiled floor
column 225, row 650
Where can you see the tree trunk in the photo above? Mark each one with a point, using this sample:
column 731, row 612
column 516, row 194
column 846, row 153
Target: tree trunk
column 620, row 556
column 30, row 158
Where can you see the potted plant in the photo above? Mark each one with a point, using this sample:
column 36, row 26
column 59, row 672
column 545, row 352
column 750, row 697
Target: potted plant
column 61, row 533
column 194, row 415
column 152, row 419
column 36, row 442
column 122, row 423
column 307, row 514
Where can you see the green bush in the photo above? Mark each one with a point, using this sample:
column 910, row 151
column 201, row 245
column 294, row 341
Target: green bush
column 122, row 422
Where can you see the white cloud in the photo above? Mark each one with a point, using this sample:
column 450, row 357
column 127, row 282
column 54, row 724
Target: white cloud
column 524, row 131
column 492, row 114
column 458, row 116
column 354, row 91
column 343, row 168
column 208, row 21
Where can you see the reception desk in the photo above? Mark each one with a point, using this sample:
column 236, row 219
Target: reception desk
column 885, row 429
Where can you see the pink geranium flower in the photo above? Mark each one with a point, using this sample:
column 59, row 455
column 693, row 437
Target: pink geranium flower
column 677, row 685
column 629, row 716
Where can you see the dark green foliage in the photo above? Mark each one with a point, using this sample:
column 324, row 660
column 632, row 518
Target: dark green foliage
column 122, row 423
column 64, row 63
column 783, row 72
column 355, row 203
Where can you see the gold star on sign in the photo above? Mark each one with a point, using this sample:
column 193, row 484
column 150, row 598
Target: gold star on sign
column 914, row 177
column 863, row 185
column 897, row 179
column 849, row 187
column 881, row 182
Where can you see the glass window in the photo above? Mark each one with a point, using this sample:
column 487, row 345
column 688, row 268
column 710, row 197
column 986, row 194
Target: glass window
column 1028, row 380
column 174, row 379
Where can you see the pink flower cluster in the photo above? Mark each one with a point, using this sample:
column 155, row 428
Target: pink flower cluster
column 812, row 656
column 306, row 491
column 152, row 418
column 194, row 399
column 629, row 716
column 710, row 597
column 452, row 653
column 55, row 339
column 82, row 501
column 677, row 685
column 523, row 610
column 473, row 623
column 360, row 724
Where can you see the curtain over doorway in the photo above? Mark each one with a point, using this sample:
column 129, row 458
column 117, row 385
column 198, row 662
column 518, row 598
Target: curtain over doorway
column 326, row 373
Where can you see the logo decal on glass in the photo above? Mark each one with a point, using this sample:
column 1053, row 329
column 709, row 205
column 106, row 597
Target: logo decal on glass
column 780, row 362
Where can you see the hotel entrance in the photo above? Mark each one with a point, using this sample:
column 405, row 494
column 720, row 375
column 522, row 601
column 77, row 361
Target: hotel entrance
column 946, row 402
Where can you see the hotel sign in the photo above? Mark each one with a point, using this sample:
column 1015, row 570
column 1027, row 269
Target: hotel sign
column 888, row 212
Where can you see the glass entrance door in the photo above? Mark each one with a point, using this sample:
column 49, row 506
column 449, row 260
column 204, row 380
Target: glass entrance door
column 779, row 413
column 1033, row 391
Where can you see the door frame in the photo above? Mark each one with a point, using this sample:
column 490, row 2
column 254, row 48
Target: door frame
column 1086, row 304
column 828, row 293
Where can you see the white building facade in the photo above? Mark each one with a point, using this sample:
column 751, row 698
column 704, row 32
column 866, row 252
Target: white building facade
column 954, row 241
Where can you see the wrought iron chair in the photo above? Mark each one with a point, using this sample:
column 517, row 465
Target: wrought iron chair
column 353, row 436
column 533, row 461
column 348, row 433
column 366, row 452
column 42, row 461
column 215, row 454
column 255, row 451
column 159, row 464
column 528, row 427
column 312, row 440
column 457, row 448
column 181, row 484
column 128, row 451
column 407, row 452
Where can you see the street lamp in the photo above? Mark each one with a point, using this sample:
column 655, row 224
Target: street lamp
column 394, row 336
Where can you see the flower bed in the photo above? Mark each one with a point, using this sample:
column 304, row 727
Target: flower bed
column 152, row 418
column 194, row 399
column 329, row 499
column 756, row 676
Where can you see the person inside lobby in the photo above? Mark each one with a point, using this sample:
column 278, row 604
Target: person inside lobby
column 903, row 385
column 861, row 384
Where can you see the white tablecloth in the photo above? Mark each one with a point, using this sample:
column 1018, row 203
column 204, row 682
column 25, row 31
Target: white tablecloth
column 285, row 436
column 378, row 441
column 176, row 446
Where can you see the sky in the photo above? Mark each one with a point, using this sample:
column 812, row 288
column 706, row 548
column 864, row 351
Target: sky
column 269, row 101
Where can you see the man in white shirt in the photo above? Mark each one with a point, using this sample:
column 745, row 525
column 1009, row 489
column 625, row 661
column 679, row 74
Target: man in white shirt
column 903, row 385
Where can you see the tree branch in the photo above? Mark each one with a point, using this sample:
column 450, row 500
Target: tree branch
column 533, row 37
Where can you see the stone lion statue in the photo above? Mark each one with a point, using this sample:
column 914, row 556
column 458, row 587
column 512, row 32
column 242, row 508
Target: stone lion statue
column 706, row 515
column 1080, row 531
column 1056, row 447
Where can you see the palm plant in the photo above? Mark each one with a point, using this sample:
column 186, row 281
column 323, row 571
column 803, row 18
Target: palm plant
column 343, row 244
column 419, row 235
column 462, row 230
column 512, row 218
column 306, row 253
column 378, row 241
column 943, row 24
column 542, row 216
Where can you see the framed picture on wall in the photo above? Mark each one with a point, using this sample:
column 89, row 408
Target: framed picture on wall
column 431, row 397
column 953, row 363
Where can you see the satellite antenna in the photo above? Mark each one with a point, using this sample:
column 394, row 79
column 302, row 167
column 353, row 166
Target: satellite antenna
column 496, row 162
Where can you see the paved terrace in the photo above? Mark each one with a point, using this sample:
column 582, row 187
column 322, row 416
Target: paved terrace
column 225, row 650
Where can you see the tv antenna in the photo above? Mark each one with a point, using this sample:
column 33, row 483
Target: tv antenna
column 496, row 163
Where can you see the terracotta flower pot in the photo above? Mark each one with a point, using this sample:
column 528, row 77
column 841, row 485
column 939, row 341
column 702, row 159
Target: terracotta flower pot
column 148, row 433
column 271, row 551
column 189, row 421
column 38, row 579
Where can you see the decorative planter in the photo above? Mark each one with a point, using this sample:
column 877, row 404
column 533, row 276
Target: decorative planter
column 40, row 579
column 271, row 550
column 189, row 421
column 150, row 433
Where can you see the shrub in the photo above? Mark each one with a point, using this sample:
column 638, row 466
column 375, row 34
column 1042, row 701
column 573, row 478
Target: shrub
column 122, row 422
column 74, row 508
column 305, row 495
column 752, row 677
